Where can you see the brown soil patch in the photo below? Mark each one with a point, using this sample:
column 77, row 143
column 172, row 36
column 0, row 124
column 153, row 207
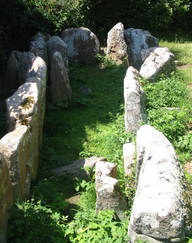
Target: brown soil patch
column 188, row 167
column 184, row 66
column 73, row 200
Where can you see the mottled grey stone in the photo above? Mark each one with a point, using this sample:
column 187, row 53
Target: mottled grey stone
column 135, row 101
column 60, row 84
column 116, row 46
column 11, row 78
column 160, row 208
column 17, row 143
column 136, row 40
column 83, row 44
column 160, row 61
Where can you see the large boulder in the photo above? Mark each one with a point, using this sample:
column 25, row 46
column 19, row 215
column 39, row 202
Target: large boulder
column 116, row 46
column 55, row 43
column 60, row 84
column 161, row 210
column 160, row 61
column 6, row 197
column 83, row 44
column 11, row 79
column 135, row 101
column 18, row 160
column 136, row 40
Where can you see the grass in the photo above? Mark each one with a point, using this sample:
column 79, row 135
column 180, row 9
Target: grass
column 93, row 125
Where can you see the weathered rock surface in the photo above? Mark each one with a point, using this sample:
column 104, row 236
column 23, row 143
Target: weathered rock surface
column 55, row 43
column 6, row 198
column 160, row 206
column 129, row 158
column 160, row 61
column 39, row 36
column 18, row 161
column 26, row 107
column 83, row 44
column 38, row 46
column 75, row 169
column 26, row 62
column 136, row 40
column 60, row 84
column 116, row 46
column 104, row 169
column 11, row 78
column 135, row 101
column 109, row 193
column 110, row 196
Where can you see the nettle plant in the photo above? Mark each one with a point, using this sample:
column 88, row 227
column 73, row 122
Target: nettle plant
column 169, row 111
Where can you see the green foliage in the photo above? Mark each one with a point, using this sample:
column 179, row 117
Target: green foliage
column 87, row 227
column 41, row 218
column 167, row 105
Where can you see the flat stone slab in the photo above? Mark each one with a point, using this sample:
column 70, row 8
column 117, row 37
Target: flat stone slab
column 75, row 169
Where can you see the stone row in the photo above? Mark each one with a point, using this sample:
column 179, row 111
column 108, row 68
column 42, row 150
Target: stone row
column 19, row 148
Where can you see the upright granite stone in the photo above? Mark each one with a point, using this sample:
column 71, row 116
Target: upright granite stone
column 60, row 84
column 11, row 78
column 6, row 197
column 18, row 161
column 116, row 46
column 129, row 158
column 135, row 101
column 136, row 40
column 26, row 61
column 83, row 44
column 160, row 61
column 55, row 43
column 38, row 46
column 104, row 169
column 26, row 107
column 109, row 193
column 110, row 196
column 161, row 210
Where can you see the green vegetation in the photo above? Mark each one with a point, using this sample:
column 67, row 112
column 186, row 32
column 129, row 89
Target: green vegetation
column 63, row 209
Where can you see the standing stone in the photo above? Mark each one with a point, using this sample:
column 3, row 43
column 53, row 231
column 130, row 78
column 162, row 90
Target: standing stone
column 160, row 61
column 18, row 160
column 161, row 211
column 11, row 79
column 24, row 107
column 26, row 61
column 6, row 197
column 60, row 84
column 55, row 43
column 83, row 44
column 136, row 40
column 39, row 48
column 110, row 196
column 104, row 169
column 116, row 46
column 129, row 158
column 109, row 193
column 135, row 101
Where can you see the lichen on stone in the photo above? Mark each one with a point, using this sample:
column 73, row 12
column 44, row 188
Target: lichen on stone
column 27, row 103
